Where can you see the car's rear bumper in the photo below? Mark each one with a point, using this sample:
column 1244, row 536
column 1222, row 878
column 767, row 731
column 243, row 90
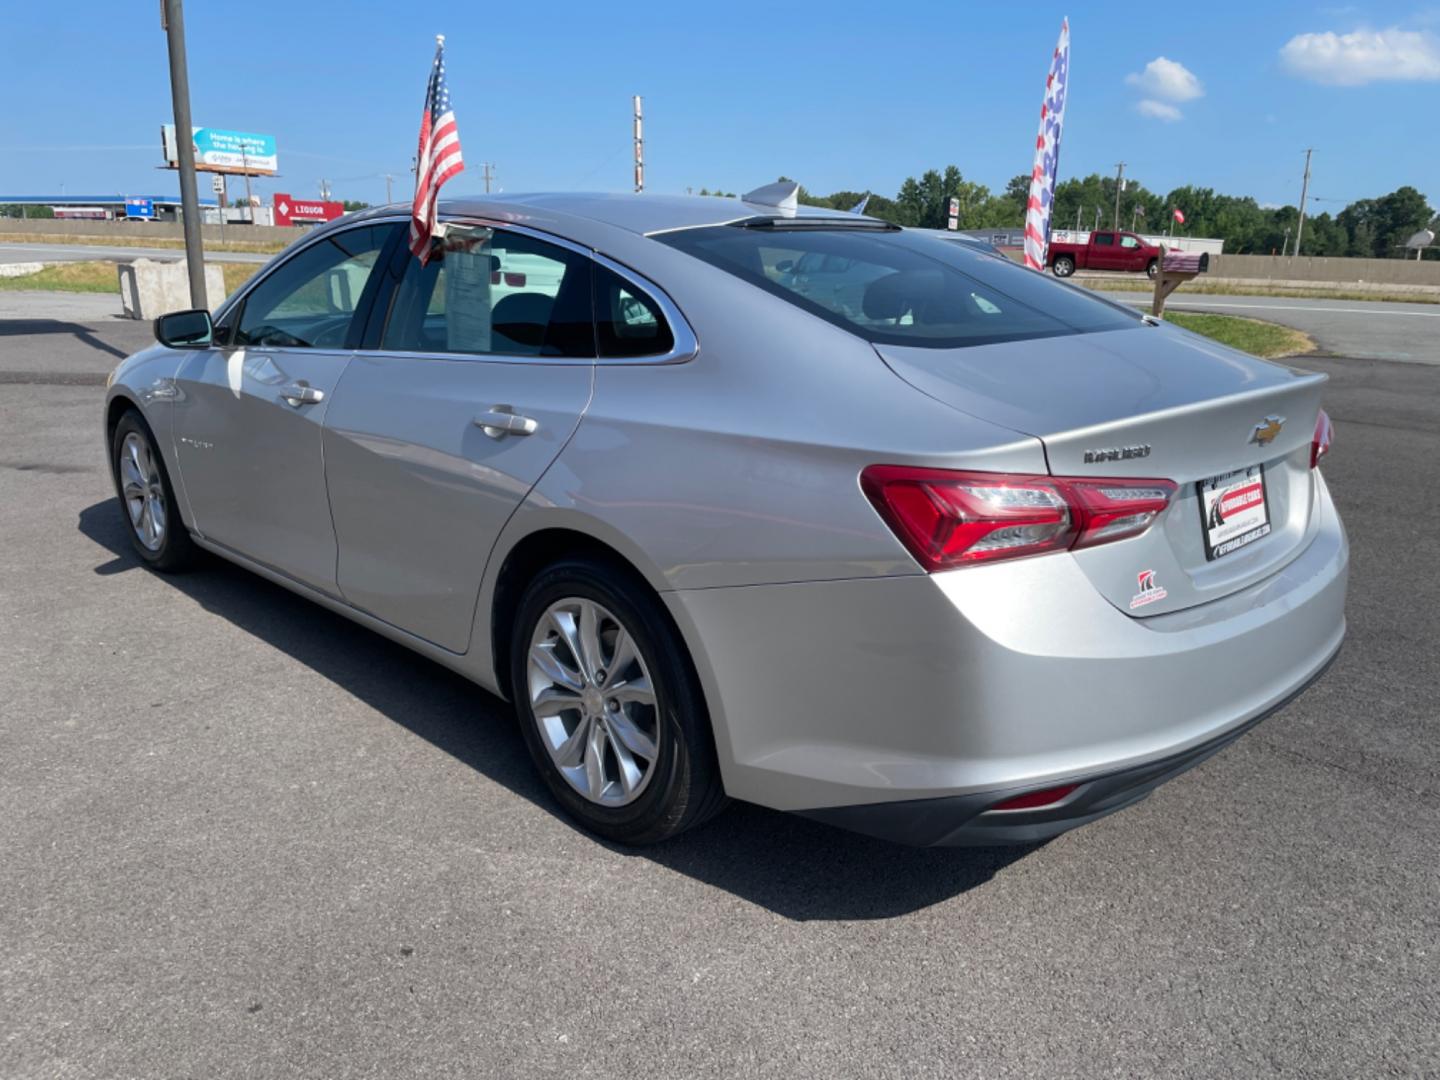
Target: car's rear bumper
column 956, row 688
column 968, row 820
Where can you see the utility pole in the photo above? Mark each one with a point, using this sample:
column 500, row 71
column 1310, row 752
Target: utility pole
column 1119, row 187
column 487, row 174
column 172, row 21
column 639, row 148
column 324, row 190
column 249, row 199
column 1285, row 244
column 389, row 198
column 1304, row 190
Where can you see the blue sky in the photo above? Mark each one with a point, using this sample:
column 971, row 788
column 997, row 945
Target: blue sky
column 736, row 95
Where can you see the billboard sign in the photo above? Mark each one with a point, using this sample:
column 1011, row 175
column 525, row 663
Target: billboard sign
column 289, row 211
column 140, row 208
column 217, row 150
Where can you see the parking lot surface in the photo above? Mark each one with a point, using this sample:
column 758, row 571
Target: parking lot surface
column 240, row 836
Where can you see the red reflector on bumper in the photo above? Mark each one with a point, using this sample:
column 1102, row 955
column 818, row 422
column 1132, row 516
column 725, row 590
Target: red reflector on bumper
column 1034, row 800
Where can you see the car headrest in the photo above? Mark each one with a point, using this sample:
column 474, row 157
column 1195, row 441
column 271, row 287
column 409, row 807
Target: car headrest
column 916, row 291
column 525, row 307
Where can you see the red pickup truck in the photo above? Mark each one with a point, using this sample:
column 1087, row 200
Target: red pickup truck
column 1106, row 250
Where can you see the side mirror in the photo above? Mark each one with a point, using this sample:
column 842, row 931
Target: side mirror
column 184, row 329
column 784, row 266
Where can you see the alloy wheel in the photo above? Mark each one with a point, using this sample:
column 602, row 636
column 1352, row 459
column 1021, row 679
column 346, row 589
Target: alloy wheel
column 593, row 701
column 143, row 490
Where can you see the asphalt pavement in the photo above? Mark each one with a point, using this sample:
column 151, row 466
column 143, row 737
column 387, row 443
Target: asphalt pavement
column 49, row 253
column 1371, row 329
column 244, row 837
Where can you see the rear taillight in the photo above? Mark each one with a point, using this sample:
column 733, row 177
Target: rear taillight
column 1324, row 436
column 948, row 519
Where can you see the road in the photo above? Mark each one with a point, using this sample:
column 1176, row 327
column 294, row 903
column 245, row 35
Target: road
column 244, row 837
column 1369, row 329
column 47, row 253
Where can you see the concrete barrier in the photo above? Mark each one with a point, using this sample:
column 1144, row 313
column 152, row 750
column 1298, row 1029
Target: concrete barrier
column 149, row 288
column 1298, row 271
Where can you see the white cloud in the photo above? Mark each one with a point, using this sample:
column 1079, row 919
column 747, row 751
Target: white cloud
column 1158, row 110
column 1167, row 80
column 1364, row 56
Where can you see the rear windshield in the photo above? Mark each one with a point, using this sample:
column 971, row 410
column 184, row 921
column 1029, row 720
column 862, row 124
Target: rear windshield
column 902, row 288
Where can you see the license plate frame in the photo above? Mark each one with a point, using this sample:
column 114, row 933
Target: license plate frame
column 1243, row 525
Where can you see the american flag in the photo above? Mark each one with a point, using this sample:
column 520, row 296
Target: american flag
column 438, row 158
column 1047, row 154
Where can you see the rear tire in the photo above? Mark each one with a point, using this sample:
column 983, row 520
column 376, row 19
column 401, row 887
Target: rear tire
column 147, row 500
column 622, row 736
column 1064, row 266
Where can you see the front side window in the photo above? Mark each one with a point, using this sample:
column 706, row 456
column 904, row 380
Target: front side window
column 1129, row 242
column 310, row 300
column 489, row 292
column 900, row 287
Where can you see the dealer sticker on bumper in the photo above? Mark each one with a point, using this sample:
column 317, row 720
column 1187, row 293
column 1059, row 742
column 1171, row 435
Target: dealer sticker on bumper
column 1235, row 510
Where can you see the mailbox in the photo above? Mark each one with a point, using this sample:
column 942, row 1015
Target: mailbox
column 1176, row 268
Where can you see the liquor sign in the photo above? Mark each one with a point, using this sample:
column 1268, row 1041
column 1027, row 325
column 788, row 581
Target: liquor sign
column 225, row 151
column 291, row 211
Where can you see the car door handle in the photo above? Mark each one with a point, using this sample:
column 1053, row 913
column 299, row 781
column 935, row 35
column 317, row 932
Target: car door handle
column 297, row 394
column 502, row 420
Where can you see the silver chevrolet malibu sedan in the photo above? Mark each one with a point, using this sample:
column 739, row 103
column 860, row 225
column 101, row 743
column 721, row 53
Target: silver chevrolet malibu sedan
column 734, row 500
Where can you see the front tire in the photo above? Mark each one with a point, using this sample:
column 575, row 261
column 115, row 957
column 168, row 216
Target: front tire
column 609, row 705
column 1064, row 266
column 147, row 500
column 1152, row 268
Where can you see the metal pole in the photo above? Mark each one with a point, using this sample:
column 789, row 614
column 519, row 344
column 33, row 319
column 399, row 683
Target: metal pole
column 1304, row 189
column 639, row 148
column 173, row 20
column 221, row 194
column 1097, row 219
column 1078, row 211
column 388, row 181
column 249, row 199
column 1119, row 187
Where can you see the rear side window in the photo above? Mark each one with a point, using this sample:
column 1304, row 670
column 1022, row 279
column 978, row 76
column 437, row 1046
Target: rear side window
column 1104, row 239
column 489, row 292
column 901, row 288
column 628, row 322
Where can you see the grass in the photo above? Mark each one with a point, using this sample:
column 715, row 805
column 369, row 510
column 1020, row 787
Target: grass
column 101, row 277
column 1263, row 339
column 88, row 277
column 236, row 274
column 263, row 247
column 1202, row 288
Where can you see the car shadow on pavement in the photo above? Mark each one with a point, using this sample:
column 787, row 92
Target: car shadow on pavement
column 81, row 333
column 797, row 868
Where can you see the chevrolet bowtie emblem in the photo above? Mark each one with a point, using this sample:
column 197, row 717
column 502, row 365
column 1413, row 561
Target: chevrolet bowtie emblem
column 1266, row 430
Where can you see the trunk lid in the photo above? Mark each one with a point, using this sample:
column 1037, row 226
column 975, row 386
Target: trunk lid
column 1150, row 402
